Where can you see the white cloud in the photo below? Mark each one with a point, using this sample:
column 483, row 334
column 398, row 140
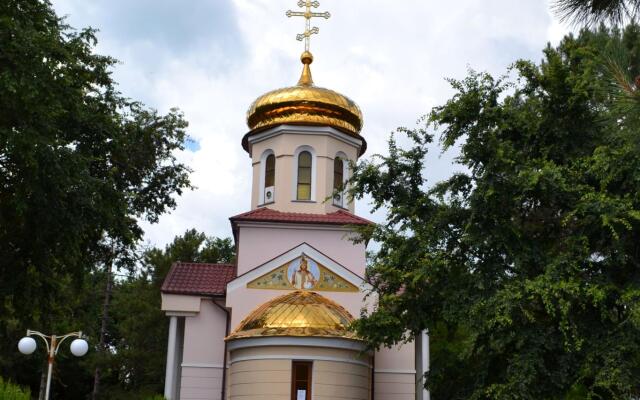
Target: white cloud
column 390, row 56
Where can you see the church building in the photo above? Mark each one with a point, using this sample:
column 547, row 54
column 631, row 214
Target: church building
column 275, row 324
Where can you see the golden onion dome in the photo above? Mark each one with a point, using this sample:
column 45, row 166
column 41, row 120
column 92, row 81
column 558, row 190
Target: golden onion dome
column 305, row 104
column 300, row 313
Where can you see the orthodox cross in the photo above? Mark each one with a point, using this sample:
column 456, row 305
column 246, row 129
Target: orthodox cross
column 307, row 14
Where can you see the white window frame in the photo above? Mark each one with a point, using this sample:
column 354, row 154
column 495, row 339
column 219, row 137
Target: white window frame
column 314, row 172
column 345, row 177
column 263, row 173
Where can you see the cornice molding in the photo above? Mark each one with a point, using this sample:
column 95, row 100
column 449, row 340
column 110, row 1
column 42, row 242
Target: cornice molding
column 305, row 130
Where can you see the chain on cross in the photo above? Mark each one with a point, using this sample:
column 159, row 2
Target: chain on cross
column 308, row 14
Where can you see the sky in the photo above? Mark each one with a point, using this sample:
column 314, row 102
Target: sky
column 212, row 58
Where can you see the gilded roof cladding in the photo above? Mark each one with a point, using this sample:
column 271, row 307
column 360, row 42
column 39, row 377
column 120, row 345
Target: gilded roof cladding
column 300, row 313
column 305, row 104
column 308, row 105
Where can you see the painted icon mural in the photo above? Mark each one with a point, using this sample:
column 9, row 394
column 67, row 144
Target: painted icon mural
column 303, row 273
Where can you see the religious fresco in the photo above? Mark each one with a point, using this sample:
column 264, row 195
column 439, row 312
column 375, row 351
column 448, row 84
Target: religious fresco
column 303, row 273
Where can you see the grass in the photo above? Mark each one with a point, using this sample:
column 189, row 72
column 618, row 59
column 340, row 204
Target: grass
column 10, row 391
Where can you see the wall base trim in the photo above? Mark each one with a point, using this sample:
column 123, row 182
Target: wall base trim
column 395, row 371
column 201, row 365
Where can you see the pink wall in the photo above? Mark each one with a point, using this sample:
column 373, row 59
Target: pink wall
column 204, row 335
column 203, row 354
column 259, row 244
column 398, row 358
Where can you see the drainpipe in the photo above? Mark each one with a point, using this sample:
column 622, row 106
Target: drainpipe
column 224, row 359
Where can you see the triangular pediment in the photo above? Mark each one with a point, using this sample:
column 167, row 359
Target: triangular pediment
column 302, row 267
column 303, row 273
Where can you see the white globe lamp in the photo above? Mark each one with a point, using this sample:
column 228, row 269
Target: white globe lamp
column 79, row 347
column 27, row 345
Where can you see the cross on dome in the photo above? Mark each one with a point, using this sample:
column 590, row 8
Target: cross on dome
column 305, row 103
column 308, row 14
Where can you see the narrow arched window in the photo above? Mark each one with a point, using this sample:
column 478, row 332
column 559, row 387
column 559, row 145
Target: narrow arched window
column 270, row 171
column 304, row 176
column 338, row 174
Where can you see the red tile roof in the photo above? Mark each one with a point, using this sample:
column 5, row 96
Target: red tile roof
column 198, row 279
column 264, row 214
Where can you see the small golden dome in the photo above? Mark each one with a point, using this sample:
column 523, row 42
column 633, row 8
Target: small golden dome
column 299, row 313
column 305, row 104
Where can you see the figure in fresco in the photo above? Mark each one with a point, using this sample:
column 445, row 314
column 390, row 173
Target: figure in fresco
column 302, row 278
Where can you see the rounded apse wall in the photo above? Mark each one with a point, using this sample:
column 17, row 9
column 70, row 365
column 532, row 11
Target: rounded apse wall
column 271, row 369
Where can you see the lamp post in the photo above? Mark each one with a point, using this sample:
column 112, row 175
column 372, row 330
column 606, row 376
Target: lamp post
column 27, row 345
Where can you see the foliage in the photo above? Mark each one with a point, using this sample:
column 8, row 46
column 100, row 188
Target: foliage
column 595, row 11
column 525, row 267
column 621, row 73
column 624, row 82
column 139, row 329
column 80, row 167
column 9, row 391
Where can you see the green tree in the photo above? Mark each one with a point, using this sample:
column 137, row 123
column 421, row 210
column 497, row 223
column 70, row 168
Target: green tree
column 138, row 331
column 525, row 268
column 80, row 166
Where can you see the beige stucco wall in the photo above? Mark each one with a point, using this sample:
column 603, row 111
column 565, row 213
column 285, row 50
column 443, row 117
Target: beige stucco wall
column 395, row 376
column 265, row 373
column 394, row 386
column 260, row 380
column 337, row 380
column 284, row 146
column 299, row 353
column 199, row 383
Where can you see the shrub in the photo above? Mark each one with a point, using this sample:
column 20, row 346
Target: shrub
column 10, row 391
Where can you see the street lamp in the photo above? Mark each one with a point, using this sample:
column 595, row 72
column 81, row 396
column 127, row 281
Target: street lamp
column 27, row 345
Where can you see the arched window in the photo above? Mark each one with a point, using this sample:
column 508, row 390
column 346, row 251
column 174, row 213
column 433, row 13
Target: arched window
column 338, row 174
column 269, row 179
column 338, row 180
column 270, row 171
column 304, row 176
column 266, row 193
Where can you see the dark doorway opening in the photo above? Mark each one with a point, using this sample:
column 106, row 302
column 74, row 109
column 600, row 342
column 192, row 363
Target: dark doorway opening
column 301, row 380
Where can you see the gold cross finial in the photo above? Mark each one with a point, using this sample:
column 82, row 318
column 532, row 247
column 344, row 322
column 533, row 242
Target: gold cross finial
column 307, row 14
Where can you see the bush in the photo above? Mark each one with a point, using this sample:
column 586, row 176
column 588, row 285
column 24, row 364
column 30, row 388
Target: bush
column 9, row 391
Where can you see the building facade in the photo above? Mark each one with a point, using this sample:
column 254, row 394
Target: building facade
column 275, row 324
